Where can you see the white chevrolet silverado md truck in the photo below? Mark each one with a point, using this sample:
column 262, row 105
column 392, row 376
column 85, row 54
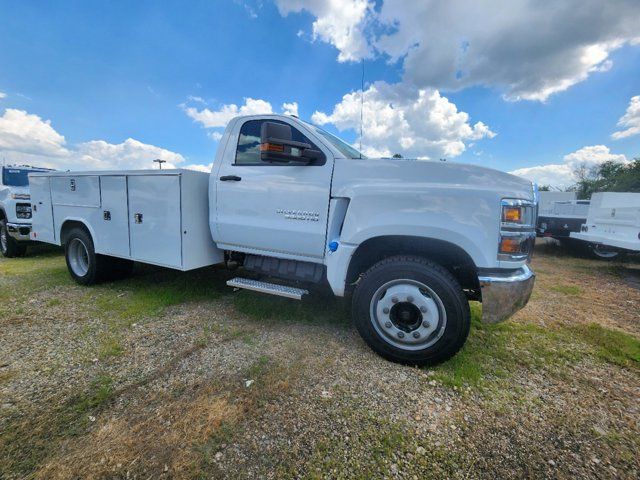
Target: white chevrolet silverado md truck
column 15, row 209
column 410, row 242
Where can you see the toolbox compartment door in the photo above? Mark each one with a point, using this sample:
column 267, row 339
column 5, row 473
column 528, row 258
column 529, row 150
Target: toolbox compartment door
column 42, row 210
column 154, row 219
column 112, row 221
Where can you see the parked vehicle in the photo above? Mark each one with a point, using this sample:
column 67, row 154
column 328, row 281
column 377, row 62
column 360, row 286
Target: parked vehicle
column 560, row 215
column 613, row 222
column 409, row 241
column 15, row 209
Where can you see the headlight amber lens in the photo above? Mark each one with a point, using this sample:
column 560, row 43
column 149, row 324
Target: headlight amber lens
column 512, row 214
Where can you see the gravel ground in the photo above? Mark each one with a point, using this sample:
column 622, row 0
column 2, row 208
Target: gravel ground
column 171, row 375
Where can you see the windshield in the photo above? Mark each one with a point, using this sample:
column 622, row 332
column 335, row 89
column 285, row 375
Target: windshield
column 15, row 177
column 347, row 150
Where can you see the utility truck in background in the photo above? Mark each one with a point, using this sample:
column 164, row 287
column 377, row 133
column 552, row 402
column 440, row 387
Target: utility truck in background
column 15, row 209
column 613, row 223
column 410, row 242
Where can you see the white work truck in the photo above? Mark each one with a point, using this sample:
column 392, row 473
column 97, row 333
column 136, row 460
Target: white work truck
column 410, row 242
column 15, row 209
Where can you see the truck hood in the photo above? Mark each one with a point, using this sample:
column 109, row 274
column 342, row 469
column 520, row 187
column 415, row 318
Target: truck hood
column 404, row 174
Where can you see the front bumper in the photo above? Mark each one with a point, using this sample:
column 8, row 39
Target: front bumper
column 504, row 293
column 19, row 231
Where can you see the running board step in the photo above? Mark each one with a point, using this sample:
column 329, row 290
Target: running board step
column 266, row 287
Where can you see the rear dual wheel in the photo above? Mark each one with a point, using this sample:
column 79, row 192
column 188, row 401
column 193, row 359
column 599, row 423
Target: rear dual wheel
column 411, row 310
column 86, row 266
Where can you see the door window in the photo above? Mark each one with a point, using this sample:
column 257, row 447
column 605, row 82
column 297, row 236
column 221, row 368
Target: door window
column 248, row 151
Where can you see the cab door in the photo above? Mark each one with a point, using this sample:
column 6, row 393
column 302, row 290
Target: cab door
column 271, row 209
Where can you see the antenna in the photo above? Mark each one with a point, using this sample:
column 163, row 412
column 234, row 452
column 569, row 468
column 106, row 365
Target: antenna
column 361, row 105
column 160, row 162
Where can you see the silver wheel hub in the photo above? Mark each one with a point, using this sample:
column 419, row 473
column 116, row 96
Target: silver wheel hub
column 78, row 257
column 408, row 314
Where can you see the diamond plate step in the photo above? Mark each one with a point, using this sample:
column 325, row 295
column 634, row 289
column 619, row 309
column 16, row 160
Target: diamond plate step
column 266, row 287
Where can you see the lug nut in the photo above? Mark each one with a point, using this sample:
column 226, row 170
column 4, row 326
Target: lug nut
column 400, row 334
column 385, row 310
column 410, row 299
column 426, row 324
column 416, row 334
column 387, row 324
column 423, row 309
column 394, row 299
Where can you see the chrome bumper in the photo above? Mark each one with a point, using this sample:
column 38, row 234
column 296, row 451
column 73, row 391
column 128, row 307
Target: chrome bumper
column 503, row 294
column 19, row 231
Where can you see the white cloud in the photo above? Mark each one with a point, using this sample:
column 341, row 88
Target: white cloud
column 199, row 168
column 290, row 108
column 563, row 175
column 339, row 22
column 219, row 118
column 630, row 121
column 3, row 95
column 130, row 154
column 25, row 133
column 398, row 119
column 530, row 51
column 217, row 136
column 27, row 138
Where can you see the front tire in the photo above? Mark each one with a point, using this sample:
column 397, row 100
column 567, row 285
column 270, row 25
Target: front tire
column 411, row 310
column 9, row 247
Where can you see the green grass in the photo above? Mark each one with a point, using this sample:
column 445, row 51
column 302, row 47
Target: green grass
column 495, row 352
column 364, row 446
column 566, row 289
column 612, row 346
column 32, row 436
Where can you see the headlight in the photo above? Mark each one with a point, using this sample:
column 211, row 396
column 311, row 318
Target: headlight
column 517, row 229
column 23, row 210
column 517, row 213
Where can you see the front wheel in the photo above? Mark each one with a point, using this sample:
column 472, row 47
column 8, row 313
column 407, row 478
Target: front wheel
column 9, row 247
column 411, row 310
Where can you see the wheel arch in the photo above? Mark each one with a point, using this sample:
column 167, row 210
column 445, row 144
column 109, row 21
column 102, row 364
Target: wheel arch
column 71, row 223
column 449, row 255
column 3, row 215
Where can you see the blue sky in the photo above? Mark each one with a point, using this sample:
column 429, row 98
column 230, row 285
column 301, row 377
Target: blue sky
column 107, row 72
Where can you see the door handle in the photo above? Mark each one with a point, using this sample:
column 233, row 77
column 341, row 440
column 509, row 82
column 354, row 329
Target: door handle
column 230, row 178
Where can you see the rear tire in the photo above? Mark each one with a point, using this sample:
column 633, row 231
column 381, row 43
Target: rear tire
column 9, row 247
column 600, row 252
column 85, row 266
column 412, row 311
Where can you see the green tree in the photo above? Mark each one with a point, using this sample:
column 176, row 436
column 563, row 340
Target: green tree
column 608, row 177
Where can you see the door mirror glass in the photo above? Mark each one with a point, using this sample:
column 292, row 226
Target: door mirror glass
column 277, row 146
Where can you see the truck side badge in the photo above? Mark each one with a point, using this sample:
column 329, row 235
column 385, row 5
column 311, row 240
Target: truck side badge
column 137, row 217
column 106, row 215
column 73, row 184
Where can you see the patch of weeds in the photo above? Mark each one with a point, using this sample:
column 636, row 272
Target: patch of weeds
column 364, row 445
column 612, row 346
column 313, row 310
column 110, row 346
column 493, row 352
column 566, row 289
column 54, row 302
column 155, row 289
column 29, row 439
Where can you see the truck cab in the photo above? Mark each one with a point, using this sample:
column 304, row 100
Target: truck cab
column 408, row 242
column 15, row 209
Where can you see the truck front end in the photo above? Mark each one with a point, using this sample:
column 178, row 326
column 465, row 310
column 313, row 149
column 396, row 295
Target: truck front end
column 507, row 289
column 15, row 209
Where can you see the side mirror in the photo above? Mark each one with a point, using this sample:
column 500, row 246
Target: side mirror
column 277, row 146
